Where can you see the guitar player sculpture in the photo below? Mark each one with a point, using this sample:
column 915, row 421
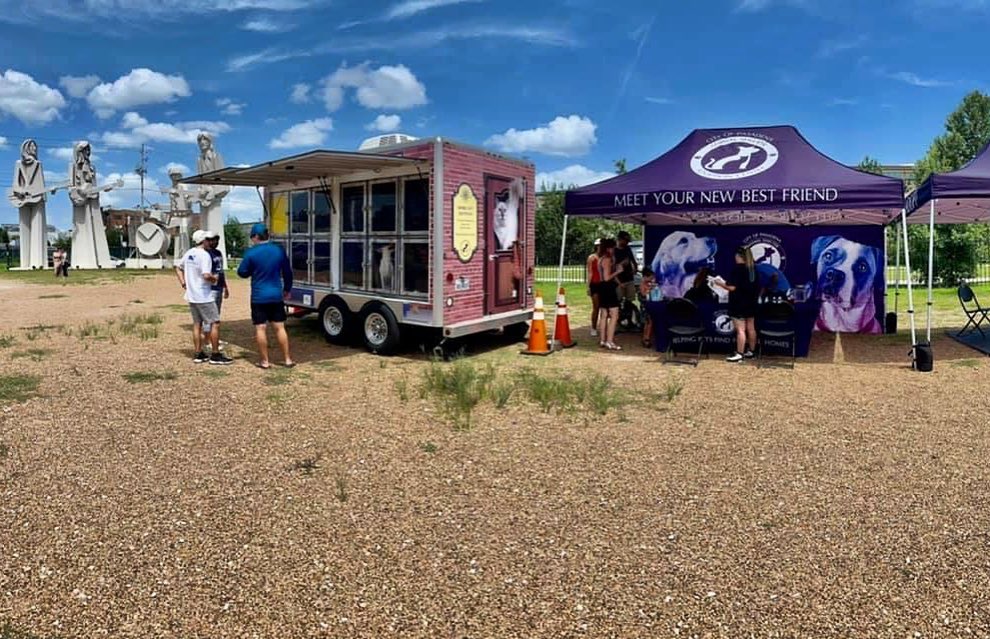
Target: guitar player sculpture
column 28, row 195
column 210, row 197
column 89, row 235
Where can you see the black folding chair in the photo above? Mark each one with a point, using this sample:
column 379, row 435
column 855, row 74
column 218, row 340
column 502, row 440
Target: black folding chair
column 777, row 321
column 975, row 313
column 683, row 320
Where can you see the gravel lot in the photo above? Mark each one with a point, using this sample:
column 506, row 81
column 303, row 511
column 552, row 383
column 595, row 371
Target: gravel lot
column 846, row 498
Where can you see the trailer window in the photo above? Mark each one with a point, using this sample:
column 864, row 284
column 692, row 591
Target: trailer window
column 300, row 212
column 383, row 266
column 383, row 207
column 352, row 264
column 321, row 212
column 416, row 205
column 321, row 262
column 415, row 267
column 352, row 209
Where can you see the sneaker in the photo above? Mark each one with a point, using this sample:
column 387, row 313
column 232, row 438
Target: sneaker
column 735, row 357
column 200, row 357
column 749, row 354
column 594, row 333
column 221, row 359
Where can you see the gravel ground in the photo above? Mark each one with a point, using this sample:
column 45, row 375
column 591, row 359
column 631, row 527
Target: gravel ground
column 846, row 498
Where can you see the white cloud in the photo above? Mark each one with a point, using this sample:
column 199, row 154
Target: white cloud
column 139, row 87
column 300, row 93
column 130, row 194
column 62, row 153
column 914, row 79
column 177, row 166
column 242, row 202
column 843, row 102
column 138, row 130
column 754, row 6
column 409, row 8
column 78, row 86
column 229, row 107
column 830, row 48
column 567, row 136
column 573, row 175
column 503, row 34
column 124, row 10
column 27, row 100
column 385, row 123
column 662, row 101
column 265, row 24
column 3, row 142
column 310, row 133
column 387, row 87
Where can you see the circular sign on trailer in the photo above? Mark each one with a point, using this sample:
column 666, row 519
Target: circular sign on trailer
column 465, row 226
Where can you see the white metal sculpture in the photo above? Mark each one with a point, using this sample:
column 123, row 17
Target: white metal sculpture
column 89, row 235
column 28, row 195
column 180, row 203
column 210, row 197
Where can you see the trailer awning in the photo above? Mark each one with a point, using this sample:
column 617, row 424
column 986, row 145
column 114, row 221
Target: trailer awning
column 306, row 166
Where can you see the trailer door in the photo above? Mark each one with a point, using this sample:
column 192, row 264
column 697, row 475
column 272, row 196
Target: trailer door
column 505, row 219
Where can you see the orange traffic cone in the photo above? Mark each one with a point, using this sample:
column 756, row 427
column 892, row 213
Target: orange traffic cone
column 538, row 330
column 562, row 326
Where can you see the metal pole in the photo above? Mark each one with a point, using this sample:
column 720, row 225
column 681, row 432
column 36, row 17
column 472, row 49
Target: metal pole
column 897, row 270
column 910, row 294
column 931, row 268
column 560, row 277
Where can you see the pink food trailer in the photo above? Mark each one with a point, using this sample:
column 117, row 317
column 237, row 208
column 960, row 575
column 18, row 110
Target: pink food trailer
column 428, row 233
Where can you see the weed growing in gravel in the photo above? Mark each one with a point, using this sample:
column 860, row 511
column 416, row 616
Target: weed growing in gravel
column 36, row 354
column 327, row 365
column 341, row 483
column 672, row 388
column 51, row 297
column 549, row 392
column 9, row 632
column 213, row 373
column 283, row 377
column 276, row 400
column 501, row 393
column 428, row 447
column 307, row 465
column 18, row 388
column 6, row 341
column 458, row 387
column 4, row 451
column 382, row 364
column 176, row 308
column 149, row 376
column 145, row 326
column 600, row 396
column 402, row 390
column 92, row 329
column 966, row 363
column 137, row 301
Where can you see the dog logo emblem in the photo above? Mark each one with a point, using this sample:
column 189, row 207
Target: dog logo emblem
column 734, row 158
column 767, row 252
column 723, row 323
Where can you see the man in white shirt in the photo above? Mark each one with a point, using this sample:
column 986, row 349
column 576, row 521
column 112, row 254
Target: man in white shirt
column 195, row 275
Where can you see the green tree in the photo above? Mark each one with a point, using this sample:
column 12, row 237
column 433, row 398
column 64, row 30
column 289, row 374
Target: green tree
column 620, row 166
column 63, row 241
column 967, row 130
column 581, row 231
column 4, row 236
column 235, row 240
column 870, row 165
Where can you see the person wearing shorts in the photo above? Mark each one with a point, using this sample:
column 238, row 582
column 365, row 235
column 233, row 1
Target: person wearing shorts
column 625, row 264
column 271, row 281
column 220, row 289
column 195, row 275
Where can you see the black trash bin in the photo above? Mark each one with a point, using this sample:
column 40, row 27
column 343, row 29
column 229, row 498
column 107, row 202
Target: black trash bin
column 890, row 324
column 924, row 360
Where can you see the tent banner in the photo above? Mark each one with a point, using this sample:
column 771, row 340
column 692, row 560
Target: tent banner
column 843, row 266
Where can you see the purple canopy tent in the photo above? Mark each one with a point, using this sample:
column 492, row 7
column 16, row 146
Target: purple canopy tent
column 756, row 175
column 959, row 197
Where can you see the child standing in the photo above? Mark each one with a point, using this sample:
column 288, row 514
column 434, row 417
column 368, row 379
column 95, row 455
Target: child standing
column 646, row 285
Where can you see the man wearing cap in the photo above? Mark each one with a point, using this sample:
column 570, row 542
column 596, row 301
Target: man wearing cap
column 195, row 275
column 271, row 281
column 220, row 289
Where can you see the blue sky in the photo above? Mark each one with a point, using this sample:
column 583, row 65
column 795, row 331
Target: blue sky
column 571, row 84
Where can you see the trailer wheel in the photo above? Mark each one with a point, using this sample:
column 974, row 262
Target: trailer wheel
column 380, row 329
column 516, row 332
column 335, row 320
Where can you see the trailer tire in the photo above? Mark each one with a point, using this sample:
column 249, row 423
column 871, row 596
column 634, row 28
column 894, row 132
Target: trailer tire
column 379, row 329
column 336, row 320
column 516, row 332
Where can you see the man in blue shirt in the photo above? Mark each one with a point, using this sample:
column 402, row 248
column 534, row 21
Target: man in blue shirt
column 271, row 280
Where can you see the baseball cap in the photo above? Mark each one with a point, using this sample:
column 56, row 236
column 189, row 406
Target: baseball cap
column 199, row 236
column 259, row 229
column 210, row 234
column 598, row 241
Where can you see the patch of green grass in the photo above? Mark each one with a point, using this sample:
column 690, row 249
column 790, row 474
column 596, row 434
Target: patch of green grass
column 500, row 393
column 600, row 396
column 176, row 308
column 277, row 400
column 144, row 325
column 18, row 388
column 36, row 354
column 4, row 451
column 458, row 387
column 965, row 363
column 142, row 377
column 672, row 388
column 428, row 447
column 214, row 373
column 78, row 277
column 327, row 365
column 340, row 482
column 283, row 377
column 6, row 341
column 8, row 631
column 548, row 392
column 402, row 390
